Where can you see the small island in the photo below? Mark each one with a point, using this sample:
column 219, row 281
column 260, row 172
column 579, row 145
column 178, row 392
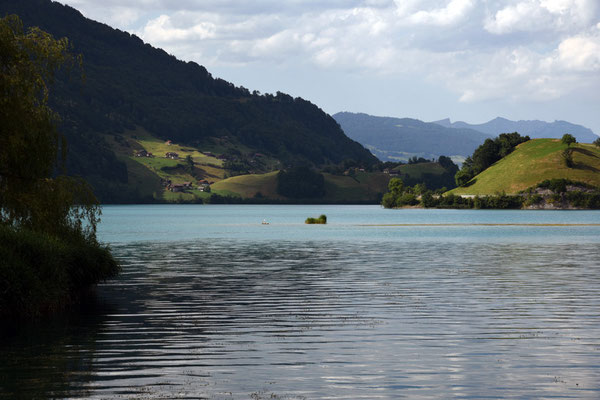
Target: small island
column 321, row 220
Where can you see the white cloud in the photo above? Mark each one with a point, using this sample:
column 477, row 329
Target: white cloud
column 580, row 53
column 121, row 17
column 511, row 74
column 522, row 74
column 522, row 16
column 455, row 11
column 162, row 30
column 542, row 15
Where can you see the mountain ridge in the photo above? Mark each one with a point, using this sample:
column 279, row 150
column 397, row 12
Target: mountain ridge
column 396, row 139
column 536, row 129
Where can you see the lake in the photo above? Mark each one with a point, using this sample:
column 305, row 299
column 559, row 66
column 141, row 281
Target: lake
column 463, row 304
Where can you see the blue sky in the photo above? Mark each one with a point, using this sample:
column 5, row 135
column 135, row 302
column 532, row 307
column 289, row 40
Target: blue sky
column 467, row 60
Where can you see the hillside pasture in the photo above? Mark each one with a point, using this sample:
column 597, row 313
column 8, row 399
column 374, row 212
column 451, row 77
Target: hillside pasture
column 533, row 162
column 248, row 186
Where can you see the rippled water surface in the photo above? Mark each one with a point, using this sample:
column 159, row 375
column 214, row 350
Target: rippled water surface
column 376, row 304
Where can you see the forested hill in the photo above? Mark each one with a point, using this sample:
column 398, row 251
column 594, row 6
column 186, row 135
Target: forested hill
column 129, row 84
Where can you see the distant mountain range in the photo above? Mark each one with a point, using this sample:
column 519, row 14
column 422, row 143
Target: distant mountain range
column 398, row 139
column 535, row 129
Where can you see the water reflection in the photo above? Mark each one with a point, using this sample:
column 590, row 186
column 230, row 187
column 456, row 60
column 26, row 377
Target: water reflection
column 51, row 358
column 244, row 319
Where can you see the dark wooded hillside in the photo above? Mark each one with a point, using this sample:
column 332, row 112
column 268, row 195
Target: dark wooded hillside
column 130, row 84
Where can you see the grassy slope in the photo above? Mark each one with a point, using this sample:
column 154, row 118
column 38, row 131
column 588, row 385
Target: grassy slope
column 533, row 162
column 249, row 185
column 145, row 173
column 365, row 186
column 209, row 165
column 147, row 182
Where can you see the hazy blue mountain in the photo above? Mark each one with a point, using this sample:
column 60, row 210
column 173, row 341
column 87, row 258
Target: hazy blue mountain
column 534, row 129
column 396, row 139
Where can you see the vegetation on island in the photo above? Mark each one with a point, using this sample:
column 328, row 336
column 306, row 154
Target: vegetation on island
column 48, row 247
column 400, row 195
column 562, row 194
column 533, row 162
column 491, row 151
column 322, row 219
column 549, row 194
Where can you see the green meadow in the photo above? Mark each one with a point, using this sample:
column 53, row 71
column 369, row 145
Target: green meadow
column 533, row 162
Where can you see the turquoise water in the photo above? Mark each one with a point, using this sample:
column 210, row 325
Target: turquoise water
column 124, row 224
column 378, row 303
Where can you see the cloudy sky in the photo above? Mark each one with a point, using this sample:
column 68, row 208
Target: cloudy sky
column 469, row 60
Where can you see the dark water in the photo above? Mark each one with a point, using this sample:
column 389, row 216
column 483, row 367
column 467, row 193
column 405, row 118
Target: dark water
column 327, row 318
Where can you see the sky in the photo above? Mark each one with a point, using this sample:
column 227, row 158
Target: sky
column 467, row 60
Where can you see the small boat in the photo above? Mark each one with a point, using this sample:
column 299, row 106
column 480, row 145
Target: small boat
column 265, row 222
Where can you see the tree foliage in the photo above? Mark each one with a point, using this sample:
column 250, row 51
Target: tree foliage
column 321, row 220
column 488, row 153
column 32, row 150
column 399, row 195
column 300, row 183
column 417, row 160
column 48, row 246
column 396, row 186
column 189, row 164
column 568, row 139
column 422, row 171
column 419, row 195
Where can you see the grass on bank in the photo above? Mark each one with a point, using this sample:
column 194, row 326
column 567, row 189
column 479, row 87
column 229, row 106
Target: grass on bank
column 533, row 162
